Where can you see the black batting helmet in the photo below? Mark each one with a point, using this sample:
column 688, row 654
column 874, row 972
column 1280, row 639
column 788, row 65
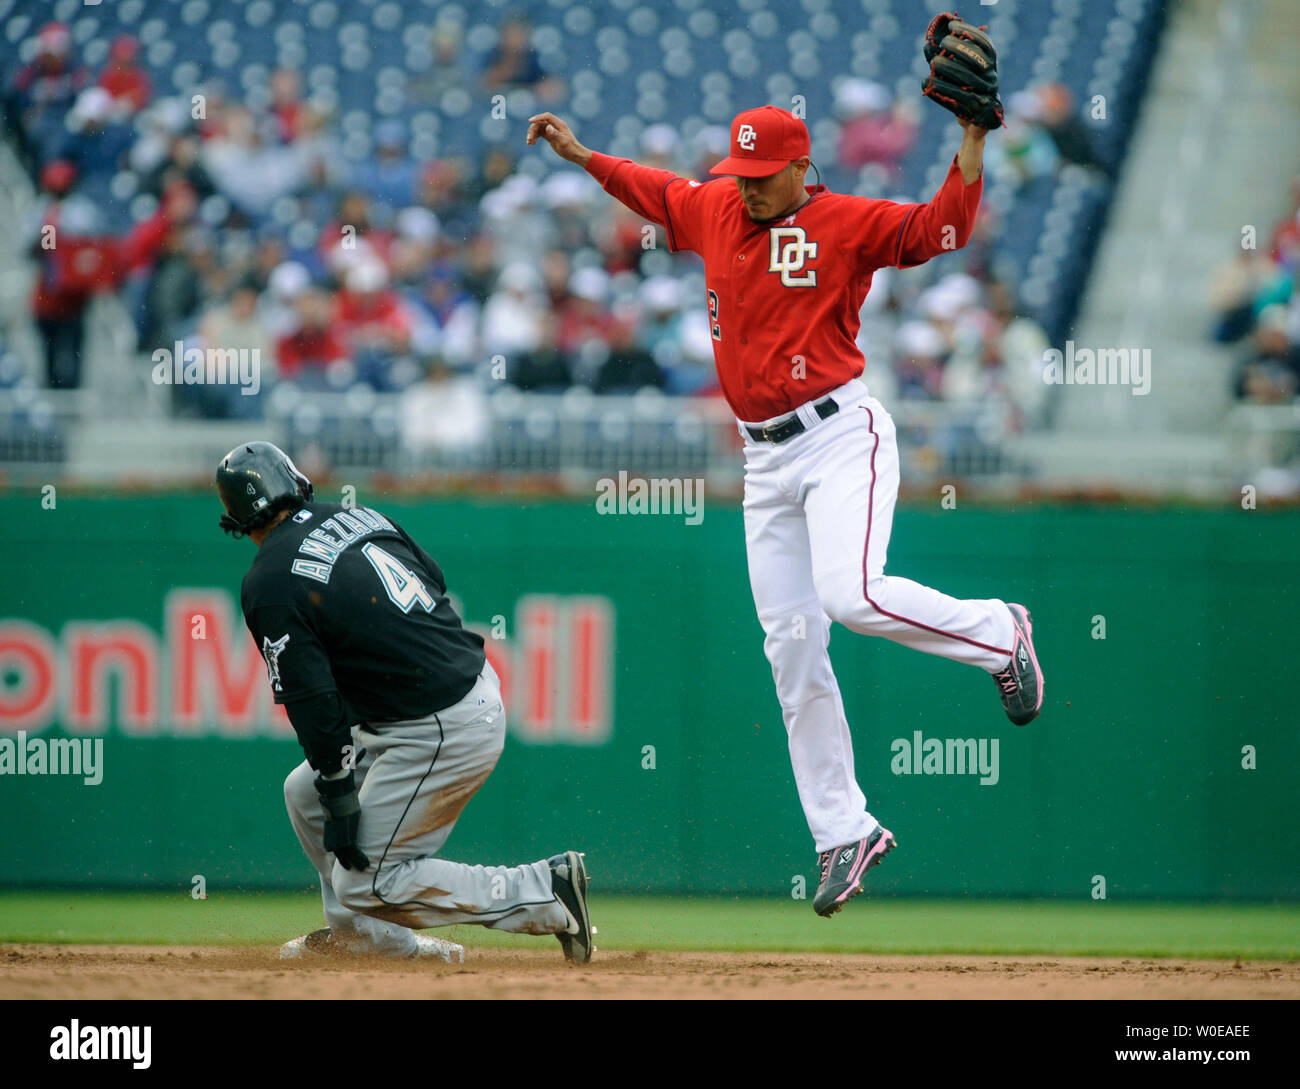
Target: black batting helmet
column 256, row 481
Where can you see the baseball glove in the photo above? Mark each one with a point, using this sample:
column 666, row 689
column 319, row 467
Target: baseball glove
column 963, row 70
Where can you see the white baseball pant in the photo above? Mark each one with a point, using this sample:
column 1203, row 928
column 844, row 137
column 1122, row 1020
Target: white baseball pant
column 818, row 513
column 413, row 780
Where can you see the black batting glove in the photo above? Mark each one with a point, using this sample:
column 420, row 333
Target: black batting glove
column 338, row 797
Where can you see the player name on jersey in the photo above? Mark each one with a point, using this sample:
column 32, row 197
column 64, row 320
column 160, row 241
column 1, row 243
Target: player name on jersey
column 327, row 541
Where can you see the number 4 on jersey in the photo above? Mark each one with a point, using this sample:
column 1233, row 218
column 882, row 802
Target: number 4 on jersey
column 403, row 586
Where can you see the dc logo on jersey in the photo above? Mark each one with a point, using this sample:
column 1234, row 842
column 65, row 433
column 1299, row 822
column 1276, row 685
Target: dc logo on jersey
column 790, row 251
column 745, row 137
column 271, row 651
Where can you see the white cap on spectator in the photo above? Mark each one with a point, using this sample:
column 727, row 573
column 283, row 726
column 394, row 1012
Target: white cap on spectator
column 519, row 277
column 288, row 280
column 367, row 275
column 661, row 294
column 659, row 139
column 919, row 339
column 856, row 96
column 80, row 217
column 94, row 104
column 517, row 192
column 713, row 140
column 1025, row 104
column 958, row 293
column 591, row 284
column 418, row 224
column 566, row 189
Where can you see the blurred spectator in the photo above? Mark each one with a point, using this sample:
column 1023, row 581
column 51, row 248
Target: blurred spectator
column 317, row 344
column 514, row 63
column 659, row 144
column 440, row 188
column 41, row 95
column 997, row 359
column 389, row 178
column 543, row 368
column 478, row 267
column 661, row 334
column 75, row 261
column 445, row 318
column 234, row 325
column 181, row 161
column 447, row 70
column 445, row 413
column 584, row 314
column 77, row 258
column 512, row 318
column 287, row 106
column 247, row 169
column 96, row 142
column 919, row 353
column 1061, row 120
column 374, row 322
column 1284, row 246
column 279, row 303
column 1271, row 373
column 353, row 236
column 415, row 246
column 875, row 128
column 1234, row 291
column 495, row 167
column 628, row 368
column 125, row 81
column 174, row 292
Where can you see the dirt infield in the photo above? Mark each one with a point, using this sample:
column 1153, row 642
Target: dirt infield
column 85, row 971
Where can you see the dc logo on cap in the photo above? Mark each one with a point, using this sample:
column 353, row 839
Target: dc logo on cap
column 745, row 137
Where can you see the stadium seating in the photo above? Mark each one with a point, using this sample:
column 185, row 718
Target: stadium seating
column 627, row 65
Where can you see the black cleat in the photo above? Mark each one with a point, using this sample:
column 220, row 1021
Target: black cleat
column 844, row 868
column 1021, row 683
column 569, row 881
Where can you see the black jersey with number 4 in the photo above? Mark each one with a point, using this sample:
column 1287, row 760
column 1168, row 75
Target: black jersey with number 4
column 341, row 599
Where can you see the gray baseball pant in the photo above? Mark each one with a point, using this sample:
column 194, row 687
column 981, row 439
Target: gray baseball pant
column 414, row 778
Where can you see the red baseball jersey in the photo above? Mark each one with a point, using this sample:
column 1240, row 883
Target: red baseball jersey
column 784, row 295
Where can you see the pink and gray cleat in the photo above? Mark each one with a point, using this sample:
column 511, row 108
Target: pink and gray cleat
column 844, row 868
column 1021, row 683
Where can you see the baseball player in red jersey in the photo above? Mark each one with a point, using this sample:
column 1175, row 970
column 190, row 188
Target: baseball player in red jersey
column 787, row 267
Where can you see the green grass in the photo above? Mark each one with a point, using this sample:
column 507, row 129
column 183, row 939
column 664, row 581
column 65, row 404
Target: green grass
column 1048, row 928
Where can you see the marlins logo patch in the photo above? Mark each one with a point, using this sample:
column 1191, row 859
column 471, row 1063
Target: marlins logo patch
column 271, row 651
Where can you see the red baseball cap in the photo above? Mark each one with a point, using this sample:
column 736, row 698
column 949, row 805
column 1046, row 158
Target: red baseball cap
column 764, row 141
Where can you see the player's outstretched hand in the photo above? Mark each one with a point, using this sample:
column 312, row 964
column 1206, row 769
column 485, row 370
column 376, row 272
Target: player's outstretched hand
column 556, row 133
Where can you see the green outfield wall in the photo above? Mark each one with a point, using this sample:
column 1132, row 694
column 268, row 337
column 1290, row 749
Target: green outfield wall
column 644, row 728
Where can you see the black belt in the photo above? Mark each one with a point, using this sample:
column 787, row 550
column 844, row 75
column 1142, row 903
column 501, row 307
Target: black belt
column 788, row 429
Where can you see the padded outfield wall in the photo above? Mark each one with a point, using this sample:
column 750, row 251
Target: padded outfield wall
column 644, row 727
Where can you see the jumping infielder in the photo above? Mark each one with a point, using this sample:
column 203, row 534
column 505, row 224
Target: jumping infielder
column 400, row 717
column 787, row 268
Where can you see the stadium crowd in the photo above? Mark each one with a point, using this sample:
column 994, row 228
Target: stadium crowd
column 238, row 223
column 1256, row 300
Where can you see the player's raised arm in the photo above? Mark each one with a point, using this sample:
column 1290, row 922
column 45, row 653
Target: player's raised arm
column 963, row 79
column 649, row 192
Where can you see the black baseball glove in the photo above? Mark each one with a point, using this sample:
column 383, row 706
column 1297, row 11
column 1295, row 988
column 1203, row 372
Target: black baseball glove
column 963, row 70
column 338, row 797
